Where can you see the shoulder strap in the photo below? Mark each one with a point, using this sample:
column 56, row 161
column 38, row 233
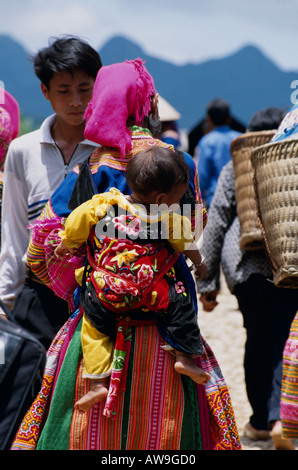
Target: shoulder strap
column 84, row 188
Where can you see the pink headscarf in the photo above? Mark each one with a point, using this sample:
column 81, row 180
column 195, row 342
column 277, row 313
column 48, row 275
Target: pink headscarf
column 120, row 91
column 9, row 121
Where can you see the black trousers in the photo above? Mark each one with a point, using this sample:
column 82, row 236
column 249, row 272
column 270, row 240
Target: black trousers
column 40, row 311
column 268, row 312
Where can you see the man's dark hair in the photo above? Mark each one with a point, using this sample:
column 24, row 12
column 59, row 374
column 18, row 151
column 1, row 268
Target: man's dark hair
column 219, row 111
column 67, row 53
column 156, row 169
column 266, row 119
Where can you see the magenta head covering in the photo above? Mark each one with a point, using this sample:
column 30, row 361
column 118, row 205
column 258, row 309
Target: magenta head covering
column 120, row 91
column 9, row 121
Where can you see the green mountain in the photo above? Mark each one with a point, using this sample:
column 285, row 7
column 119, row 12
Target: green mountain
column 17, row 74
column 247, row 79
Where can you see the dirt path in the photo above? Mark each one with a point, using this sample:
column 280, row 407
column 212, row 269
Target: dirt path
column 224, row 332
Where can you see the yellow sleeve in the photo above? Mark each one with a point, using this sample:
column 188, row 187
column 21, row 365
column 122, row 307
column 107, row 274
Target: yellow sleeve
column 81, row 220
column 179, row 230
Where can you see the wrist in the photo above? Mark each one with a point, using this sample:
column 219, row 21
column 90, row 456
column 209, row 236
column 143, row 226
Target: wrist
column 198, row 265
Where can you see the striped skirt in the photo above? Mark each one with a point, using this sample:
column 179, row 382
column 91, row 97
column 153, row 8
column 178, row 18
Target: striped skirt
column 158, row 410
column 289, row 390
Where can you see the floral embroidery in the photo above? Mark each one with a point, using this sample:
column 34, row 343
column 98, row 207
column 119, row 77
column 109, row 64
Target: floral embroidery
column 145, row 275
column 123, row 269
column 179, row 288
column 153, row 297
column 171, row 273
column 112, row 297
column 106, row 298
column 120, row 286
column 125, row 257
column 128, row 224
column 98, row 276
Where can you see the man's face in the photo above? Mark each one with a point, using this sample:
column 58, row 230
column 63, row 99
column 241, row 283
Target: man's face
column 69, row 95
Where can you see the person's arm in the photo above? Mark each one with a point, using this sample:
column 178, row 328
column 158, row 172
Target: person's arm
column 198, row 260
column 192, row 200
column 81, row 220
column 221, row 215
column 181, row 239
column 14, row 234
column 78, row 224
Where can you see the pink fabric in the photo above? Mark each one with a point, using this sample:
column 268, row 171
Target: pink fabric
column 119, row 370
column 120, row 91
column 70, row 326
column 208, row 442
column 62, row 272
column 45, row 234
column 9, row 121
column 5, row 132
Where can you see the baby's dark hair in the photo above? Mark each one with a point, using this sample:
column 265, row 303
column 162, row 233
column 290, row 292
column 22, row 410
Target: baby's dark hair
column 156, row 169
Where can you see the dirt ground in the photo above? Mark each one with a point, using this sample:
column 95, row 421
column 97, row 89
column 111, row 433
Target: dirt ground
column 223, row 330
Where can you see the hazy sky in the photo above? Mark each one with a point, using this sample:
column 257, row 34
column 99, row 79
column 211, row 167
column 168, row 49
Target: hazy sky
column 180, row 31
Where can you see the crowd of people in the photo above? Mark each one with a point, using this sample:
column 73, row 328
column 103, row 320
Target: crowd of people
column 93, row 265
column 268, row 311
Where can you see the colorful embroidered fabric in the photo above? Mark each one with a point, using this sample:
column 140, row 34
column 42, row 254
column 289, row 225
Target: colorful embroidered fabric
column 127, row 273
column 61, row 273
column 143, row 287
column 119, row 370
column 148, row 418
column 289, row 390
column 30, row 427
column 108, row 170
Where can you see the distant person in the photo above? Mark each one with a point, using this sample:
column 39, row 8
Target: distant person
column 169, row 129
column 36, row 164
column 267, row 310
column 170, row 133
column 214, row 147
column 9, row 130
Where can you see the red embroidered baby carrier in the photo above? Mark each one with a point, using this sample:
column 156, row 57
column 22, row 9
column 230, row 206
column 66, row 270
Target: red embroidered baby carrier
column 128, row 275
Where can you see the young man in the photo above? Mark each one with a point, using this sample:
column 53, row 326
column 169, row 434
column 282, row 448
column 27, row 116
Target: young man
column 35, row 166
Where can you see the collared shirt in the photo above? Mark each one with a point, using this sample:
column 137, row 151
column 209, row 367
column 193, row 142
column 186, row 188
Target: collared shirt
column 34, row 168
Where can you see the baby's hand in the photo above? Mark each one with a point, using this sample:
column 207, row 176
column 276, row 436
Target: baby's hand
column 62, row 250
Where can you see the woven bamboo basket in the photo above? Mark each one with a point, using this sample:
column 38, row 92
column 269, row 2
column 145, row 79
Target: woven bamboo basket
column 275, row 168
column 251, row 237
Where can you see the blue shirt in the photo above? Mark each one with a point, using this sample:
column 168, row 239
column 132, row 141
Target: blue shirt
column 214, row 153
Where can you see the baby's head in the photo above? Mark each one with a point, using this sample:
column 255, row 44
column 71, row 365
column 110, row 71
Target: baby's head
column 158, row 175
